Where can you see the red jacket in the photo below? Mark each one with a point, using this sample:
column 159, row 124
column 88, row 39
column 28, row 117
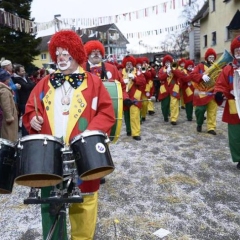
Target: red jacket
column 113, row 71
column 224, row 84
column 196, row 75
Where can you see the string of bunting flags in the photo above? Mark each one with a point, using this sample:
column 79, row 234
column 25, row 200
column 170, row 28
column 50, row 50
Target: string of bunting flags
column 156, row 32
column 23, row 25
column 128, row 16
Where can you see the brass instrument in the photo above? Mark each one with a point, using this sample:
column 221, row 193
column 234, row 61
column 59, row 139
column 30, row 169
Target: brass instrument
column 174, row 65
column 213, row 72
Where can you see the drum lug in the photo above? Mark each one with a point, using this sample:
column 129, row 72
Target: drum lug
column 82, row 140
column 107, row 140
column 19, row 145
column 45, row 141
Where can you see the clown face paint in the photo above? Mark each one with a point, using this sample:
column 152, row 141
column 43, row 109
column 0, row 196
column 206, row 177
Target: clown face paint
column 64, row 59
column 211, row 58
column 95, row 57
column 237, row 53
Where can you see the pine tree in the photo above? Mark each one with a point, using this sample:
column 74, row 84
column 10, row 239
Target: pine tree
column 16, row 46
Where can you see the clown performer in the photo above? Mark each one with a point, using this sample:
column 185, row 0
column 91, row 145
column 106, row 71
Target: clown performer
column 135, row 85
column 187, row 89
column 70, row 102
column 169, row 94
column 104, row 70
column 181, row 67
column 204, row 101
column 149, row 74
column 223, row 89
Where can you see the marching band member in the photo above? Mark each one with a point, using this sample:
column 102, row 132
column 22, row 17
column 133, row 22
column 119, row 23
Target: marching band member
column 135, row 82
column 188, row 90
column 169, row 90
column 69, row 102
column 149, row 74
column 104, row 70
column 224, row 89
column 204, row 101
column 181, row 67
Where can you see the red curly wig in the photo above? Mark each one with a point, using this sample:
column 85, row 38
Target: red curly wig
column 167, row 58
column 235, row 44
column 145, row 59
column 209, row 52
column 188, row 63
column 182, row 60
column 139, row 60
column 94, row 45
column 70, row 41
column 129, row 59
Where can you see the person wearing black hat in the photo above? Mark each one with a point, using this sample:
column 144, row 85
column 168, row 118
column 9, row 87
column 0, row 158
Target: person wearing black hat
column 9, row 126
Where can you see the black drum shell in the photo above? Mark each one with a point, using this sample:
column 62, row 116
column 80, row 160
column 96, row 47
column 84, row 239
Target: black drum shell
column 91, row 163
column 7, row 166
column 39, row 161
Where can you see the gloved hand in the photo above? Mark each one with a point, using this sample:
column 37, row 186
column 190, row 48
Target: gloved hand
column 36, row 123
column 169, row 70
column 219, row 97
column 205, row 78
column 127, row 102
column 130, row 75
column 148, row 94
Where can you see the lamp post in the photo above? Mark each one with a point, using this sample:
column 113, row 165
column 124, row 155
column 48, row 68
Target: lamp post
column 56, row 22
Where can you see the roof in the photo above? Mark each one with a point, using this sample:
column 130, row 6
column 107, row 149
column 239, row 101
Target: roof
column 43, row 46
column 235, row 23
column 202, row 12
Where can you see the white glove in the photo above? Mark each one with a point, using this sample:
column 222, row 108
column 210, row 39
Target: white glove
column 130, row 75
column 205, row 78
column 148, row 94
column 36, row 124
column 169, row 70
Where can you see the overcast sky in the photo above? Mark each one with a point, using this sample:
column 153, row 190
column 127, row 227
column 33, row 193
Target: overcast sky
column 44, row 11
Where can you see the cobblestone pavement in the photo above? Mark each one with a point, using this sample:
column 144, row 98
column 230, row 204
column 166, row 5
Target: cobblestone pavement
column 174, row 178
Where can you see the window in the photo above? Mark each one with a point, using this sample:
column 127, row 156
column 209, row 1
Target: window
column 43, row 56
column 205, row 41
column 213, row 6
column 227, row 34
column 214, row 38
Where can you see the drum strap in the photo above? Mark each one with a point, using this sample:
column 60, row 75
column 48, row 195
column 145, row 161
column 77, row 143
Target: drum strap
column 103, row 70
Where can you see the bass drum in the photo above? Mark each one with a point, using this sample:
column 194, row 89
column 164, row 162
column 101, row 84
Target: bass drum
column 39, row 161
column 7, row 166
column 115, row 91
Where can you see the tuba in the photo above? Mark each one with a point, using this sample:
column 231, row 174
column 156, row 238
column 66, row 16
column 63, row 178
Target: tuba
column 213, row 72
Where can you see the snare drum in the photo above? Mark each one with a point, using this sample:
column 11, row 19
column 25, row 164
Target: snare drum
column 92, row 155
column 7, row 166
column 115, row 91
column 39, row 161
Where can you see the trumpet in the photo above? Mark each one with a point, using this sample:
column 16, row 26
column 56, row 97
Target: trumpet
column 174, row 65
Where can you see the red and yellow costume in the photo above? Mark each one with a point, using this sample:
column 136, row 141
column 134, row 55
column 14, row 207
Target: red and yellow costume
column 149, row 74
column 90, row 109
column 204, row 101
column 169, row 94
column 135, row 87
column 224, row 87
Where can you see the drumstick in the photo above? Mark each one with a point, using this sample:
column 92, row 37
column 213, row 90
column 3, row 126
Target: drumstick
column 35, row 106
